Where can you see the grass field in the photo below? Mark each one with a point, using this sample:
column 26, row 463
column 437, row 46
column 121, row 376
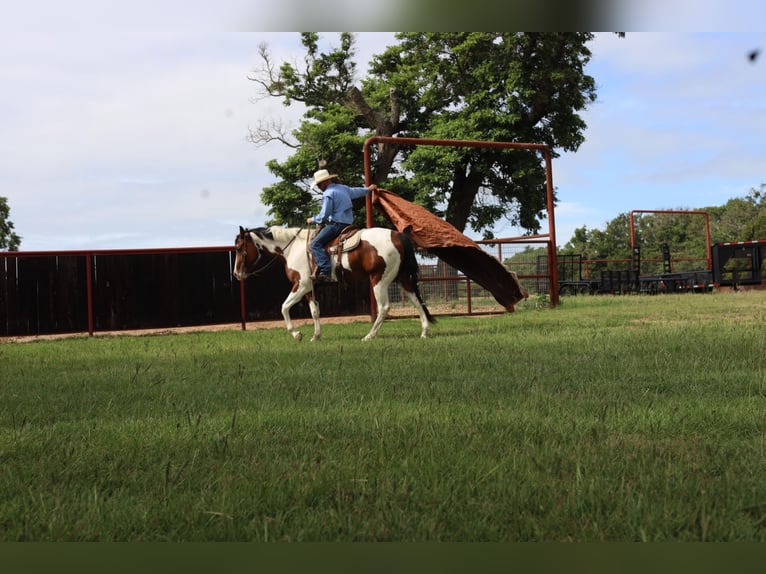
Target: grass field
column 631, row 418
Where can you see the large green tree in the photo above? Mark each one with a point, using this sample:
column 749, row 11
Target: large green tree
column 513, row 87
column 8, row 238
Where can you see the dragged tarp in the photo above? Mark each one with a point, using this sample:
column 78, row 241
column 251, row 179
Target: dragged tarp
column 443, row 240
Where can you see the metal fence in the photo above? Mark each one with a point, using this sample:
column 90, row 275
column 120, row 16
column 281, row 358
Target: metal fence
column 87, row 291
column 81, row 291
column 447, row 291
column 112, row 290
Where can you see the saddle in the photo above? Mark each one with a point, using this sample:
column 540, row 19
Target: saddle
column 348, row 240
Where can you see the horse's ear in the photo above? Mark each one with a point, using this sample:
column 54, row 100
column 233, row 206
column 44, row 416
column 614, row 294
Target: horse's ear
column 241, row 230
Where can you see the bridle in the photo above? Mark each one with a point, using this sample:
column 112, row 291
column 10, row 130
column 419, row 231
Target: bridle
column 242, row 251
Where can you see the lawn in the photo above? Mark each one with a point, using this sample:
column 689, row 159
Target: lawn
column 627, row 418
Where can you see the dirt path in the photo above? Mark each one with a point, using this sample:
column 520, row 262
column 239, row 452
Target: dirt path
column 250, row 326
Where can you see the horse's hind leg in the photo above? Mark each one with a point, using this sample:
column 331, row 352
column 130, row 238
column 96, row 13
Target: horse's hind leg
column 380, row 291
column 314, row 308
column 424, row 325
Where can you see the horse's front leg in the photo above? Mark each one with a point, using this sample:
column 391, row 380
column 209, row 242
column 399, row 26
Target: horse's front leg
column 295, row 295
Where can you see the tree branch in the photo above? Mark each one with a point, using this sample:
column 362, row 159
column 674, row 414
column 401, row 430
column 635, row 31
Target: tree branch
column 269, row 131
column 375, row 119
column 383, row 126
column 267, row 75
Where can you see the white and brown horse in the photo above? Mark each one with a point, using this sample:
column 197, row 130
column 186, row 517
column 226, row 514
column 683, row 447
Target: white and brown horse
column 382, row 255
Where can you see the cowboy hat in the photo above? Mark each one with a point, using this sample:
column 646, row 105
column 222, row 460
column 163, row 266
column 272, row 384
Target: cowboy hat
column 320, row 176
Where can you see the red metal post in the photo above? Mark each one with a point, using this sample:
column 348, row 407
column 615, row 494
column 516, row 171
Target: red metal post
column 707, row 239
column 468, row 294
column 242, row 305
column 368, row 214
column 89, row 290
column 553, row 264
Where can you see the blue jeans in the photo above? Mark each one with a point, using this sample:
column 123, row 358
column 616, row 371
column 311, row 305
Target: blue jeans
column 329, row 232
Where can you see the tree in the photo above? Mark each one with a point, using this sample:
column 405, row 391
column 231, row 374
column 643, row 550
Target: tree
column 522, row 87
column 487, row 86
column 739, row 219
column 8, row 238
column 755, row 228
column 578, row 244
column 611, row 243
column 329, row 135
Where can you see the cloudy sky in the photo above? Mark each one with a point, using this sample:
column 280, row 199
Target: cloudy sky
column 135, row 135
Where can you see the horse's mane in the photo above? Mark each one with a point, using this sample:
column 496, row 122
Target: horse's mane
column 283, row 234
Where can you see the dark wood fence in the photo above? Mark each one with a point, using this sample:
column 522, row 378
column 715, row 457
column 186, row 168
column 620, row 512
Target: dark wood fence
column 86, row 291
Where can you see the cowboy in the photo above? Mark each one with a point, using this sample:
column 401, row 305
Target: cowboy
column 335, row 215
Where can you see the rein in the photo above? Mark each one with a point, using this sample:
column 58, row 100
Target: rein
column 273, row 259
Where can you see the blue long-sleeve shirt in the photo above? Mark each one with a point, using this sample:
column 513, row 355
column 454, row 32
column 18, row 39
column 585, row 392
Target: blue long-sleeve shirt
column 336, row 203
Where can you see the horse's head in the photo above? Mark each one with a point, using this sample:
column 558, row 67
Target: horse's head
column 249, row 245
column 247, row 254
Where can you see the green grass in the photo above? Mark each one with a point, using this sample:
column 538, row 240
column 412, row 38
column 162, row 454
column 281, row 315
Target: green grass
column 608, row 418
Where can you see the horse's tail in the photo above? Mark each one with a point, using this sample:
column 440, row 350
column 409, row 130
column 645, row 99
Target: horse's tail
column 411, row 268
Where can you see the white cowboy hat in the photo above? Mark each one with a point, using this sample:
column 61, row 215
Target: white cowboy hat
column 320, row 176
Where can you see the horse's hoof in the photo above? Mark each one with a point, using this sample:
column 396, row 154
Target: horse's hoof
column 298, row 336
column 315, row 338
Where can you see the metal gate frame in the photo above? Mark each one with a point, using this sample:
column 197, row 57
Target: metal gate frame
column 673, row 212
column 549, row 238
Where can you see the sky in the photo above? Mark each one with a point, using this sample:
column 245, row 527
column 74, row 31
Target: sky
column 134, row 133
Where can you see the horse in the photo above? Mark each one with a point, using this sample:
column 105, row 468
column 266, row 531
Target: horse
column 382, row 255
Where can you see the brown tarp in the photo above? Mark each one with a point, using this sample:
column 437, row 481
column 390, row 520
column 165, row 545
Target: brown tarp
column 443, row 240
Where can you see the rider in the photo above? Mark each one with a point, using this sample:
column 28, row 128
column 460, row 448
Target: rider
column 335, row 215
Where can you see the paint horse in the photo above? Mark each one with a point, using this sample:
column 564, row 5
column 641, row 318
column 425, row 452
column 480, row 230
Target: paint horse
column 382, row 255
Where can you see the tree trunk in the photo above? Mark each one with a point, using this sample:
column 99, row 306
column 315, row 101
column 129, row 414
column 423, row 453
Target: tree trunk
column 383, row 126
column 465, row 188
